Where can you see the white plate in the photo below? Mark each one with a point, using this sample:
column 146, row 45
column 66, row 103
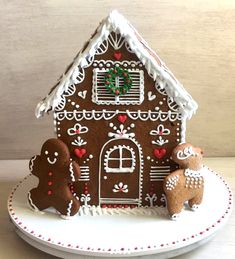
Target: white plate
column 121, row 235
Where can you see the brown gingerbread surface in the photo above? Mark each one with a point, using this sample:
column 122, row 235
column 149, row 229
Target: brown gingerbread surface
column 123, row 150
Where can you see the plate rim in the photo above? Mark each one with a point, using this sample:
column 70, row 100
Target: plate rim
column 124, row 252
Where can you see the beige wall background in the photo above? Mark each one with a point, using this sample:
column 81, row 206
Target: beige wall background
column 196, row 39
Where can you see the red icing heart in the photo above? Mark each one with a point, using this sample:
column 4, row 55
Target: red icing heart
column 79, row 152
column 159, row 152
column 122, row 118
column 117, row 55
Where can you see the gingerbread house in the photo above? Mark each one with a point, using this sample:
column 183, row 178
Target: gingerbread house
column 121, row 111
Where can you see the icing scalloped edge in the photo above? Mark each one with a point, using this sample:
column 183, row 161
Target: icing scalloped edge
column 98, row 211
column 115, row 22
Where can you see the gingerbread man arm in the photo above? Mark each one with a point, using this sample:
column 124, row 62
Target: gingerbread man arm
column 74, row 171
column 34, row 165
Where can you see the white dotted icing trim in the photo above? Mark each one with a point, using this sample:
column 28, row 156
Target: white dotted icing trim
column 194, row 179
column 108, row 115
column 172, row 182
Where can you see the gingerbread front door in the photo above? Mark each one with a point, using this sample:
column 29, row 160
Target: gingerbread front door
column 120, row 173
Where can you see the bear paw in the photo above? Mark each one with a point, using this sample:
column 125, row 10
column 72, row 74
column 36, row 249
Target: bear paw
column 195, row 207
column 175, row 216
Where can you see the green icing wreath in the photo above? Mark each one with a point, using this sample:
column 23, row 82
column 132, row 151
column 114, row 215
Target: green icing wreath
column 110, row 79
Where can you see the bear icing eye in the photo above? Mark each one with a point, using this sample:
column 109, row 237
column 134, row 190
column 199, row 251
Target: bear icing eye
column 56, row 154
column 46, row 152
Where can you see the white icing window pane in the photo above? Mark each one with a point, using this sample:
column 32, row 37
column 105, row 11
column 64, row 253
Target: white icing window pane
column 122, row 162
column 101, row 94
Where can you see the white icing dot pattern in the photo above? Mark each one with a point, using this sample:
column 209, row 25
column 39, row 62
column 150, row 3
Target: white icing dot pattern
column 172, row 182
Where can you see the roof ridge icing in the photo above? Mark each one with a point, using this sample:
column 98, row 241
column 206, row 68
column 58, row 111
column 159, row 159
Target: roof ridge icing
column 115, row 22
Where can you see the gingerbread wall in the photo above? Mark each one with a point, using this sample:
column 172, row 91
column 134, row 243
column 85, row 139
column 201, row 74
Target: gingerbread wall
column 95, row 133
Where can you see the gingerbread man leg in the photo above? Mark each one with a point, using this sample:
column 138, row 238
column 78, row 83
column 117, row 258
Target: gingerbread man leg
column 68, row 208
column 37, row 200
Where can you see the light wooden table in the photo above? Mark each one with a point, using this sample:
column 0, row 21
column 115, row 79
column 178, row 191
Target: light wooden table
column 11, row 246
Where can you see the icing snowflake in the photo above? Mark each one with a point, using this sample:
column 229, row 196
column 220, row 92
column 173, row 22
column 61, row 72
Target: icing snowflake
column 160, row 141
column 79, row 142
column 120, row 187
column 121, row 133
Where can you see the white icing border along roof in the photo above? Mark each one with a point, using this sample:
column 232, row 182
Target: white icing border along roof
column 115, row 22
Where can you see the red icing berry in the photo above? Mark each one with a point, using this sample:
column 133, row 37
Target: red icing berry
column 49, row 183
column 124, row 74
column 49, row 192
column 86, row 192
column 117, row 92
column 115, row 71
column 107, row 82
column 77, row 131
column 50, row 173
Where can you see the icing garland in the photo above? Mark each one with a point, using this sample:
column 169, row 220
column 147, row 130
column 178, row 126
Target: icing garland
column 112, row 81
column 108, row 115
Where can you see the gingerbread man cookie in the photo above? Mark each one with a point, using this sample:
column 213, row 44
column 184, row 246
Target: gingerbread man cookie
column 186, row 183
column 55, row 172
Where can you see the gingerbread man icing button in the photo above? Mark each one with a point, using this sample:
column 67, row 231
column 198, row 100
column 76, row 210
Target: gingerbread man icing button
column 55, row 172
column 187, row 183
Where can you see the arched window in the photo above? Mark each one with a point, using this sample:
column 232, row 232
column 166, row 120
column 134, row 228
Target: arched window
column 120, row 159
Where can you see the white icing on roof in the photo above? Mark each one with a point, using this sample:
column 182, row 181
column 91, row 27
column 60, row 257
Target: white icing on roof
column 115, row 22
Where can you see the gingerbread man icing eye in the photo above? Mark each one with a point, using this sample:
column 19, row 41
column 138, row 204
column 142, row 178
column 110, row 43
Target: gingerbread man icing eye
column 56, row 154
column 46, row 152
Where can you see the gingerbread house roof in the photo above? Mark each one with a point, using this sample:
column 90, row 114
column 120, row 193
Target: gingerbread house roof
column 155, row 67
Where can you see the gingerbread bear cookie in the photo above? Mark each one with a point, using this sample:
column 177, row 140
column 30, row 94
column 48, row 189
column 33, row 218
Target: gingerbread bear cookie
column 186, row 183
column 56, row 172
